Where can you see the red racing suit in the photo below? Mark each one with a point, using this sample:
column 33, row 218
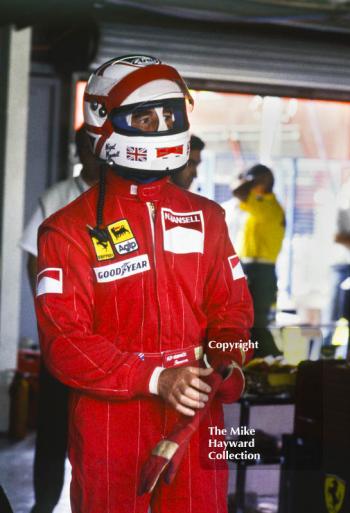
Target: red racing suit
column 166, row 282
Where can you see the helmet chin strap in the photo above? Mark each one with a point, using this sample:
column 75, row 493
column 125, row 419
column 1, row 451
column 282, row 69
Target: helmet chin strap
column 139, row 177
column 144, row 177
column 99, row 231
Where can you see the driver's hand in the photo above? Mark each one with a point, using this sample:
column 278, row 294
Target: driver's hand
column 183, row 388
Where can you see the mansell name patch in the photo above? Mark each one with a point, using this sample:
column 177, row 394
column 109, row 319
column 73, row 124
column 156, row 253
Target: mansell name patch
column 122, row 269
column 183, row 232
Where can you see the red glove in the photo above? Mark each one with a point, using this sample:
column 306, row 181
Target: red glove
column 233, row 384
column 232, row 387
column 170, row 451
column 227, row 383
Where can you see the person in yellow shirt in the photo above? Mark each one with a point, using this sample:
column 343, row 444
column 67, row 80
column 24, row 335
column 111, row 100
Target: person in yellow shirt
column 258, row 248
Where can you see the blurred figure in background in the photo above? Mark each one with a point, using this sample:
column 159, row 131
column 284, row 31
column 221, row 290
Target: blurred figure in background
column 51, row 440
column 339, row 300
column 235, row 217
column 185, row 177
column 260, row 244
column 58, row 196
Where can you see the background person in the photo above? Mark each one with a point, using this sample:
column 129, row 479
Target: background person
column 234, row 215
column 51, row 438
column 261, row 242
column 185, row 177
column 339, row 299
column 58, row 196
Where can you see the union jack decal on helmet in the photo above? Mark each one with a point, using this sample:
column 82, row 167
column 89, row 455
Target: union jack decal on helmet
column 133, row 153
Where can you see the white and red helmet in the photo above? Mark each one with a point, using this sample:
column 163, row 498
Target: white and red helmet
column 135, row 114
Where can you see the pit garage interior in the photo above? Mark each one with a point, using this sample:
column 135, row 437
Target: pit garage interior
column 271, row 84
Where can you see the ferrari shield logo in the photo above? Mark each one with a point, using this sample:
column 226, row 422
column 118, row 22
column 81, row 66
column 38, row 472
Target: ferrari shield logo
column 334, row 493
column 103, row 249
column 122, row 237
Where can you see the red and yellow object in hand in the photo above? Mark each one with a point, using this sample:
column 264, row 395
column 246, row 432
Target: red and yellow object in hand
column 227, row 384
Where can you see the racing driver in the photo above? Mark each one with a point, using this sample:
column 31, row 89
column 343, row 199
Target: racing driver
column 135, row 277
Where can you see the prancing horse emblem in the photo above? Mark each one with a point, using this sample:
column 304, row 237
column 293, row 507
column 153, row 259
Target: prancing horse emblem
column 334, row 493
column 119, row 232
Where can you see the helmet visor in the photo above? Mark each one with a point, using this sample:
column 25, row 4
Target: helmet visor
column 158, row 117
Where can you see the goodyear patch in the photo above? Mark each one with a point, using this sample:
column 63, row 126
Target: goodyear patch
column 122, row 236
column 122, row 269
column 103, row 249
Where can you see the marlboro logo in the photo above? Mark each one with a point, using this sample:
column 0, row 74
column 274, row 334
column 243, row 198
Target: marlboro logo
column 163, row 152
column 49, row 281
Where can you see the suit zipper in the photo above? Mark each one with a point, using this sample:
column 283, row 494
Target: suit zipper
column 152, row 217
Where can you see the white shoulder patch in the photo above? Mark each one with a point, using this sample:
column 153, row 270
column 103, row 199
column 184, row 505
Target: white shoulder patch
column 49, row 281
column 236, row 267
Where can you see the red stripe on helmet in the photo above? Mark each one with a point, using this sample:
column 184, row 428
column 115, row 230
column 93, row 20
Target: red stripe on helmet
column 94, row 129
column 94, row 98
column 107, row 130
column 100, row 144
column 138, row 78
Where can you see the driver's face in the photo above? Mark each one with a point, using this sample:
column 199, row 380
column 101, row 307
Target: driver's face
column 153, row 119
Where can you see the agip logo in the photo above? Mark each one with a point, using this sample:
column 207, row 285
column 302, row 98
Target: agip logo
column 334, row 493
column 122, row 237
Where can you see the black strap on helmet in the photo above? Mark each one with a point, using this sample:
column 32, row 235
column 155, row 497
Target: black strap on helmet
column 100, row 232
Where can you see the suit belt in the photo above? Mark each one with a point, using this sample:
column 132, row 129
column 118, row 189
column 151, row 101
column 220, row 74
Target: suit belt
column 176, row 357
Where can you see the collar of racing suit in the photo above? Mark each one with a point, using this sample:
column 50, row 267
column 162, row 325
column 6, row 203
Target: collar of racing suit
column 143, row 191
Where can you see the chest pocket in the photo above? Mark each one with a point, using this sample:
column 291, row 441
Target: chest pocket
column 183, row 232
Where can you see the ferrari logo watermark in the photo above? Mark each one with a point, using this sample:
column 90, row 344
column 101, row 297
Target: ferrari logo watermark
column 334, row 493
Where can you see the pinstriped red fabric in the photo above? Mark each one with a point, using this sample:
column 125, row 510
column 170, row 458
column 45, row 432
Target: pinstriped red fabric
column 104, row 333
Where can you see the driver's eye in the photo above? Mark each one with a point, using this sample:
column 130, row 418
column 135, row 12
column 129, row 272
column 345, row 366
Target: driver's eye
column 168, row 116
column 143, row 119
column 146, row 120
column 140, row 115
